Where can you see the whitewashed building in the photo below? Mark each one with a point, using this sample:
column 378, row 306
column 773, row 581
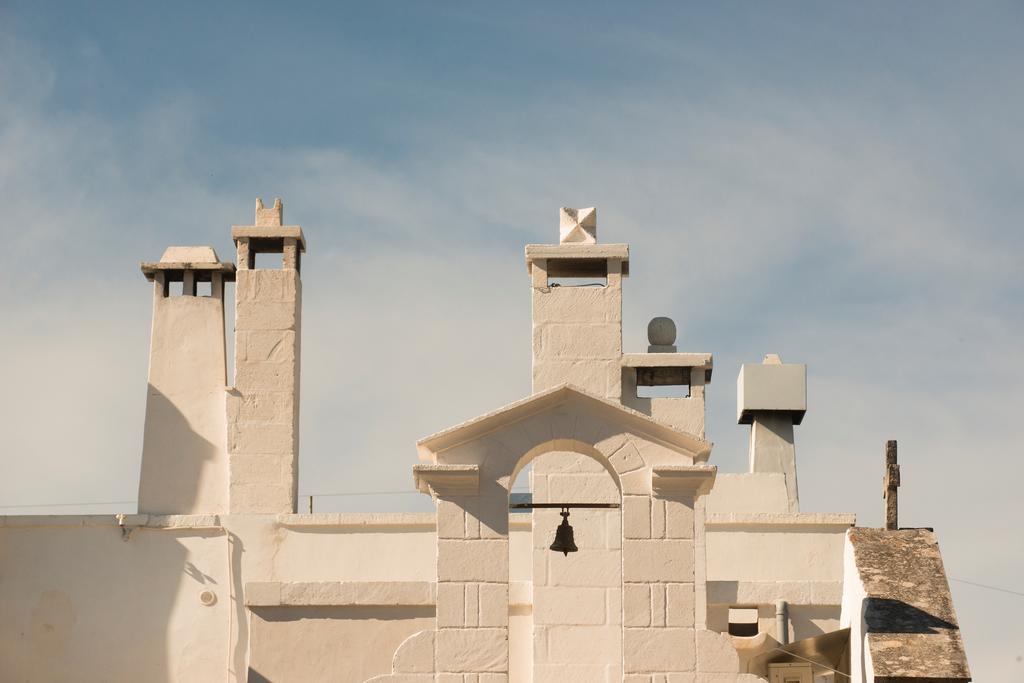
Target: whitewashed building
column 673, row 572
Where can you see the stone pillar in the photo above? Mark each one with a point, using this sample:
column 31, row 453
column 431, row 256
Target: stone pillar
column 472, row 575
column 184, row 454
column 577, row 339
column 662, row 565
column 890, row 487
column 662, row 366
column 263, row 409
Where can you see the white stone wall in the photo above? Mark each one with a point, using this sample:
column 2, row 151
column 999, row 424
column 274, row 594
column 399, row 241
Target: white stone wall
column 756, row 559
column 81, row 604
column 577, row 632
column 852, row 617
column 577, row 334
column 263, row 409
column 146, row 591
column 184, row 456
column 133, row 610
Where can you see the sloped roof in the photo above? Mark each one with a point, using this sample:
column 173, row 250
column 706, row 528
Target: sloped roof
column 480, row 426
column 912, row 630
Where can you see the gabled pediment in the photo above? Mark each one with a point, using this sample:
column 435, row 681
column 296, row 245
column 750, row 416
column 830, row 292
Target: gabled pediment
column 569, row 400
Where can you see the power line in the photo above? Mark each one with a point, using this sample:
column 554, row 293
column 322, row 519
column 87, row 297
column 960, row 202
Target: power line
column 358, row 493
column 56, row 505
column 793, row 654
column 985, row 585
column 384, row 493
column 305, row 495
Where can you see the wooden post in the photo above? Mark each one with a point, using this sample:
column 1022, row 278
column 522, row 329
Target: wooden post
column 892, row 482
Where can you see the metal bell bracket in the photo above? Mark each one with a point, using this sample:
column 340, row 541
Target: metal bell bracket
column 563, row 506
column 564, row 541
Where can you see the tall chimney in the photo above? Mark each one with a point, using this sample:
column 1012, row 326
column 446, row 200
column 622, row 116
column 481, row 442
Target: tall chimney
column 184, row 454
column 577, row 324
column 263, row 409
column 771, row 398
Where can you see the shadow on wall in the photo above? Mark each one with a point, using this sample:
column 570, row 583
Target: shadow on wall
column 338, row 644
column 884, row 615
column 106, row 609
column 182, row 471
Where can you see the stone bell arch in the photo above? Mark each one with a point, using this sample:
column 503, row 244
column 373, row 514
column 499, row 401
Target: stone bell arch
column 661, row 471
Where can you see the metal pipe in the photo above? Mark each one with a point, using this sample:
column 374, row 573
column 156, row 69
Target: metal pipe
column 563, row 506
column 782, row 621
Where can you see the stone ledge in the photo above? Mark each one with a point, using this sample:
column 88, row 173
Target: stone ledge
column 339, row 593
column 420, row 521
column 442, row 480
column 697, row 479
column 268, row 232
column 133, row 521
column 360, row 520
column 826, row 521
column 662, row 360
column 151, row 268
column 576, row 251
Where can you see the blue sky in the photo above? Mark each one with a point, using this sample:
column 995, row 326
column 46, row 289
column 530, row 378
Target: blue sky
column 840, row 184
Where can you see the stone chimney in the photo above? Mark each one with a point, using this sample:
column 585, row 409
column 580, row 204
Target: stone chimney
column 577, row 307
column 263, row 407
column 771, row 398
column 184, row 454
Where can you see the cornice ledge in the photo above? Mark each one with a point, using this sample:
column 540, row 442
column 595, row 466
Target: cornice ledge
column 447, row 480
column 696, row 479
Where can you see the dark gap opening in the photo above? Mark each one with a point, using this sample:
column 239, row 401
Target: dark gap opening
column 743, row 630
column 743, row 621
column 577, row 282
column 663, row 382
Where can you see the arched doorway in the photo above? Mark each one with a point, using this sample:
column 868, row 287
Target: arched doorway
column 571, row 626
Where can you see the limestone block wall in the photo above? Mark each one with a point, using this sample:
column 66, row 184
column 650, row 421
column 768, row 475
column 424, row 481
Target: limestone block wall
column 663, row 544
column 577, row 599
column 577, row 339
column 263, row 409
column 577, row 333
column 659, row 597
column 325, row 643
column 685, row 413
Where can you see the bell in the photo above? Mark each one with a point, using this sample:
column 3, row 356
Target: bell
column 564, row 541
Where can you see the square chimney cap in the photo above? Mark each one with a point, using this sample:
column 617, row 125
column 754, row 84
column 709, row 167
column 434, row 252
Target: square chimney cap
column 176, row 260
column 577, row 259
column 771, row 388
